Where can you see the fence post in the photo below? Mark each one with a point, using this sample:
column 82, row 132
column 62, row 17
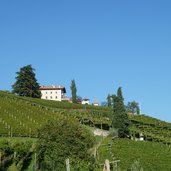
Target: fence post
column 106, row 165
column 0, row 158
column 35, row 161
column 67, row 165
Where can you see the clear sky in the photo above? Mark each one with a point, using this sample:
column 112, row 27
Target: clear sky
column 102, row 44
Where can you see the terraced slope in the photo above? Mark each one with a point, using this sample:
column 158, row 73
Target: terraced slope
column 22, row 117
column 152, row 129
column 151, row 156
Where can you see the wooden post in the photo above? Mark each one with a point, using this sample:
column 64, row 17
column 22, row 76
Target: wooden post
column 35, row 161
column 106, row 165
column 0, row 158
column 67, row 165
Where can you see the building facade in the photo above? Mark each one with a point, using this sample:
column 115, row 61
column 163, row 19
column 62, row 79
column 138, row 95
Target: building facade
column 53, row 92
column 85, row 101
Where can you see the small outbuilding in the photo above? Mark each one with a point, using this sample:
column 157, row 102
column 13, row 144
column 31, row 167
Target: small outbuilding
column 85, row 101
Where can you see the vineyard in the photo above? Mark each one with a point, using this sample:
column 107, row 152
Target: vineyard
column 150, row 155
column 151, row 128
column 17, row 154
column 22, row 118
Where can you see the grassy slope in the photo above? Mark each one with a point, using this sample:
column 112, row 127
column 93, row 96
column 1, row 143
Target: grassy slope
column 22, row 116
column 153, row 129
column 14, row 112
column 152, row 156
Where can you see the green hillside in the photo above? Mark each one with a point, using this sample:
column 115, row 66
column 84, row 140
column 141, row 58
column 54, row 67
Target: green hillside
column 150, row 155
column 23, row 116
column 152, row 129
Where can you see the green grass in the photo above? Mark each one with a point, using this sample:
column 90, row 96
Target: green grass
column 57, row 104
column 152, row 156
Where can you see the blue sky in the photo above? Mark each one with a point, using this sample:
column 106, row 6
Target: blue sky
column 101, row 44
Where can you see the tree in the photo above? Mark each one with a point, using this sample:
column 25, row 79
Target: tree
column 104, row 104
column 26, row 83
column 133, row 107
column 73, row 91
column 79, row 99
column 62, row 139
column 109, row 101
column 120, row 119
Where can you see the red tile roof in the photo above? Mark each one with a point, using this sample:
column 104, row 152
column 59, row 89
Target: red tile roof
column 53, row 88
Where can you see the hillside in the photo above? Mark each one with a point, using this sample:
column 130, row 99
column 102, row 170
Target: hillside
column 151, row 156
column 21, row 116
column 17, row 121
column 151, row 128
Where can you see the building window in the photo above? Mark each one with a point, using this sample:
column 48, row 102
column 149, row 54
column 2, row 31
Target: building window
column 46, row 97
column 56, row 92
column 51, row 97
column 56, row 97
column 51, row 92
column 46, row 92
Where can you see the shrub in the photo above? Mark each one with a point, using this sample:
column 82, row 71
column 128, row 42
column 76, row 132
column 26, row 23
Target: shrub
column 63, row 139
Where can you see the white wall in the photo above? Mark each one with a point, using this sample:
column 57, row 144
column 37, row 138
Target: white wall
column 52, row 95
column 85, row 102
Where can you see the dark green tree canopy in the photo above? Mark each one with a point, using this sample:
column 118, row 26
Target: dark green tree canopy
column 133, row 107
column 109, row 101
column 26, row 83
column 120, row 118
column 73, row 91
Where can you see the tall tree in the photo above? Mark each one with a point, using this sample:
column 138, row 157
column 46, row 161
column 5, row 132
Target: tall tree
column 109, row 101
column 73, row 91
column 120, row 118
column 133, row 107
column 26, row 83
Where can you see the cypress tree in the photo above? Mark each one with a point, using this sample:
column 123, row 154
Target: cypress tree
column 109, row 101
column 73, row 91
column 26, row 83
column 120, row 118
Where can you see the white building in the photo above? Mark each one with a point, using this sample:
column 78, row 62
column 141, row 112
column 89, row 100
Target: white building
column 85, row 101
column 53, row 92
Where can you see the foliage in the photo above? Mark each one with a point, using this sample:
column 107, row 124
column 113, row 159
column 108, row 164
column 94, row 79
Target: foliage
column 26, row 83
column 136, row 166
column 15, row 154
column 120, row 119
column 57, row 104
column 16, row 121
column 64, row 139
column 151, row 156
column 113, row 132
column 151, row 128
column 73, row 91
column 133, row 107
column 109, row 100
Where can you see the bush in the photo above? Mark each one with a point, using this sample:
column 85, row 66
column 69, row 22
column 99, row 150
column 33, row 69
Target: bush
column 63, row 139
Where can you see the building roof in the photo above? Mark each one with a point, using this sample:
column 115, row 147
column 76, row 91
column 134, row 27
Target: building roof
column 85, row 99
column 53, row 88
